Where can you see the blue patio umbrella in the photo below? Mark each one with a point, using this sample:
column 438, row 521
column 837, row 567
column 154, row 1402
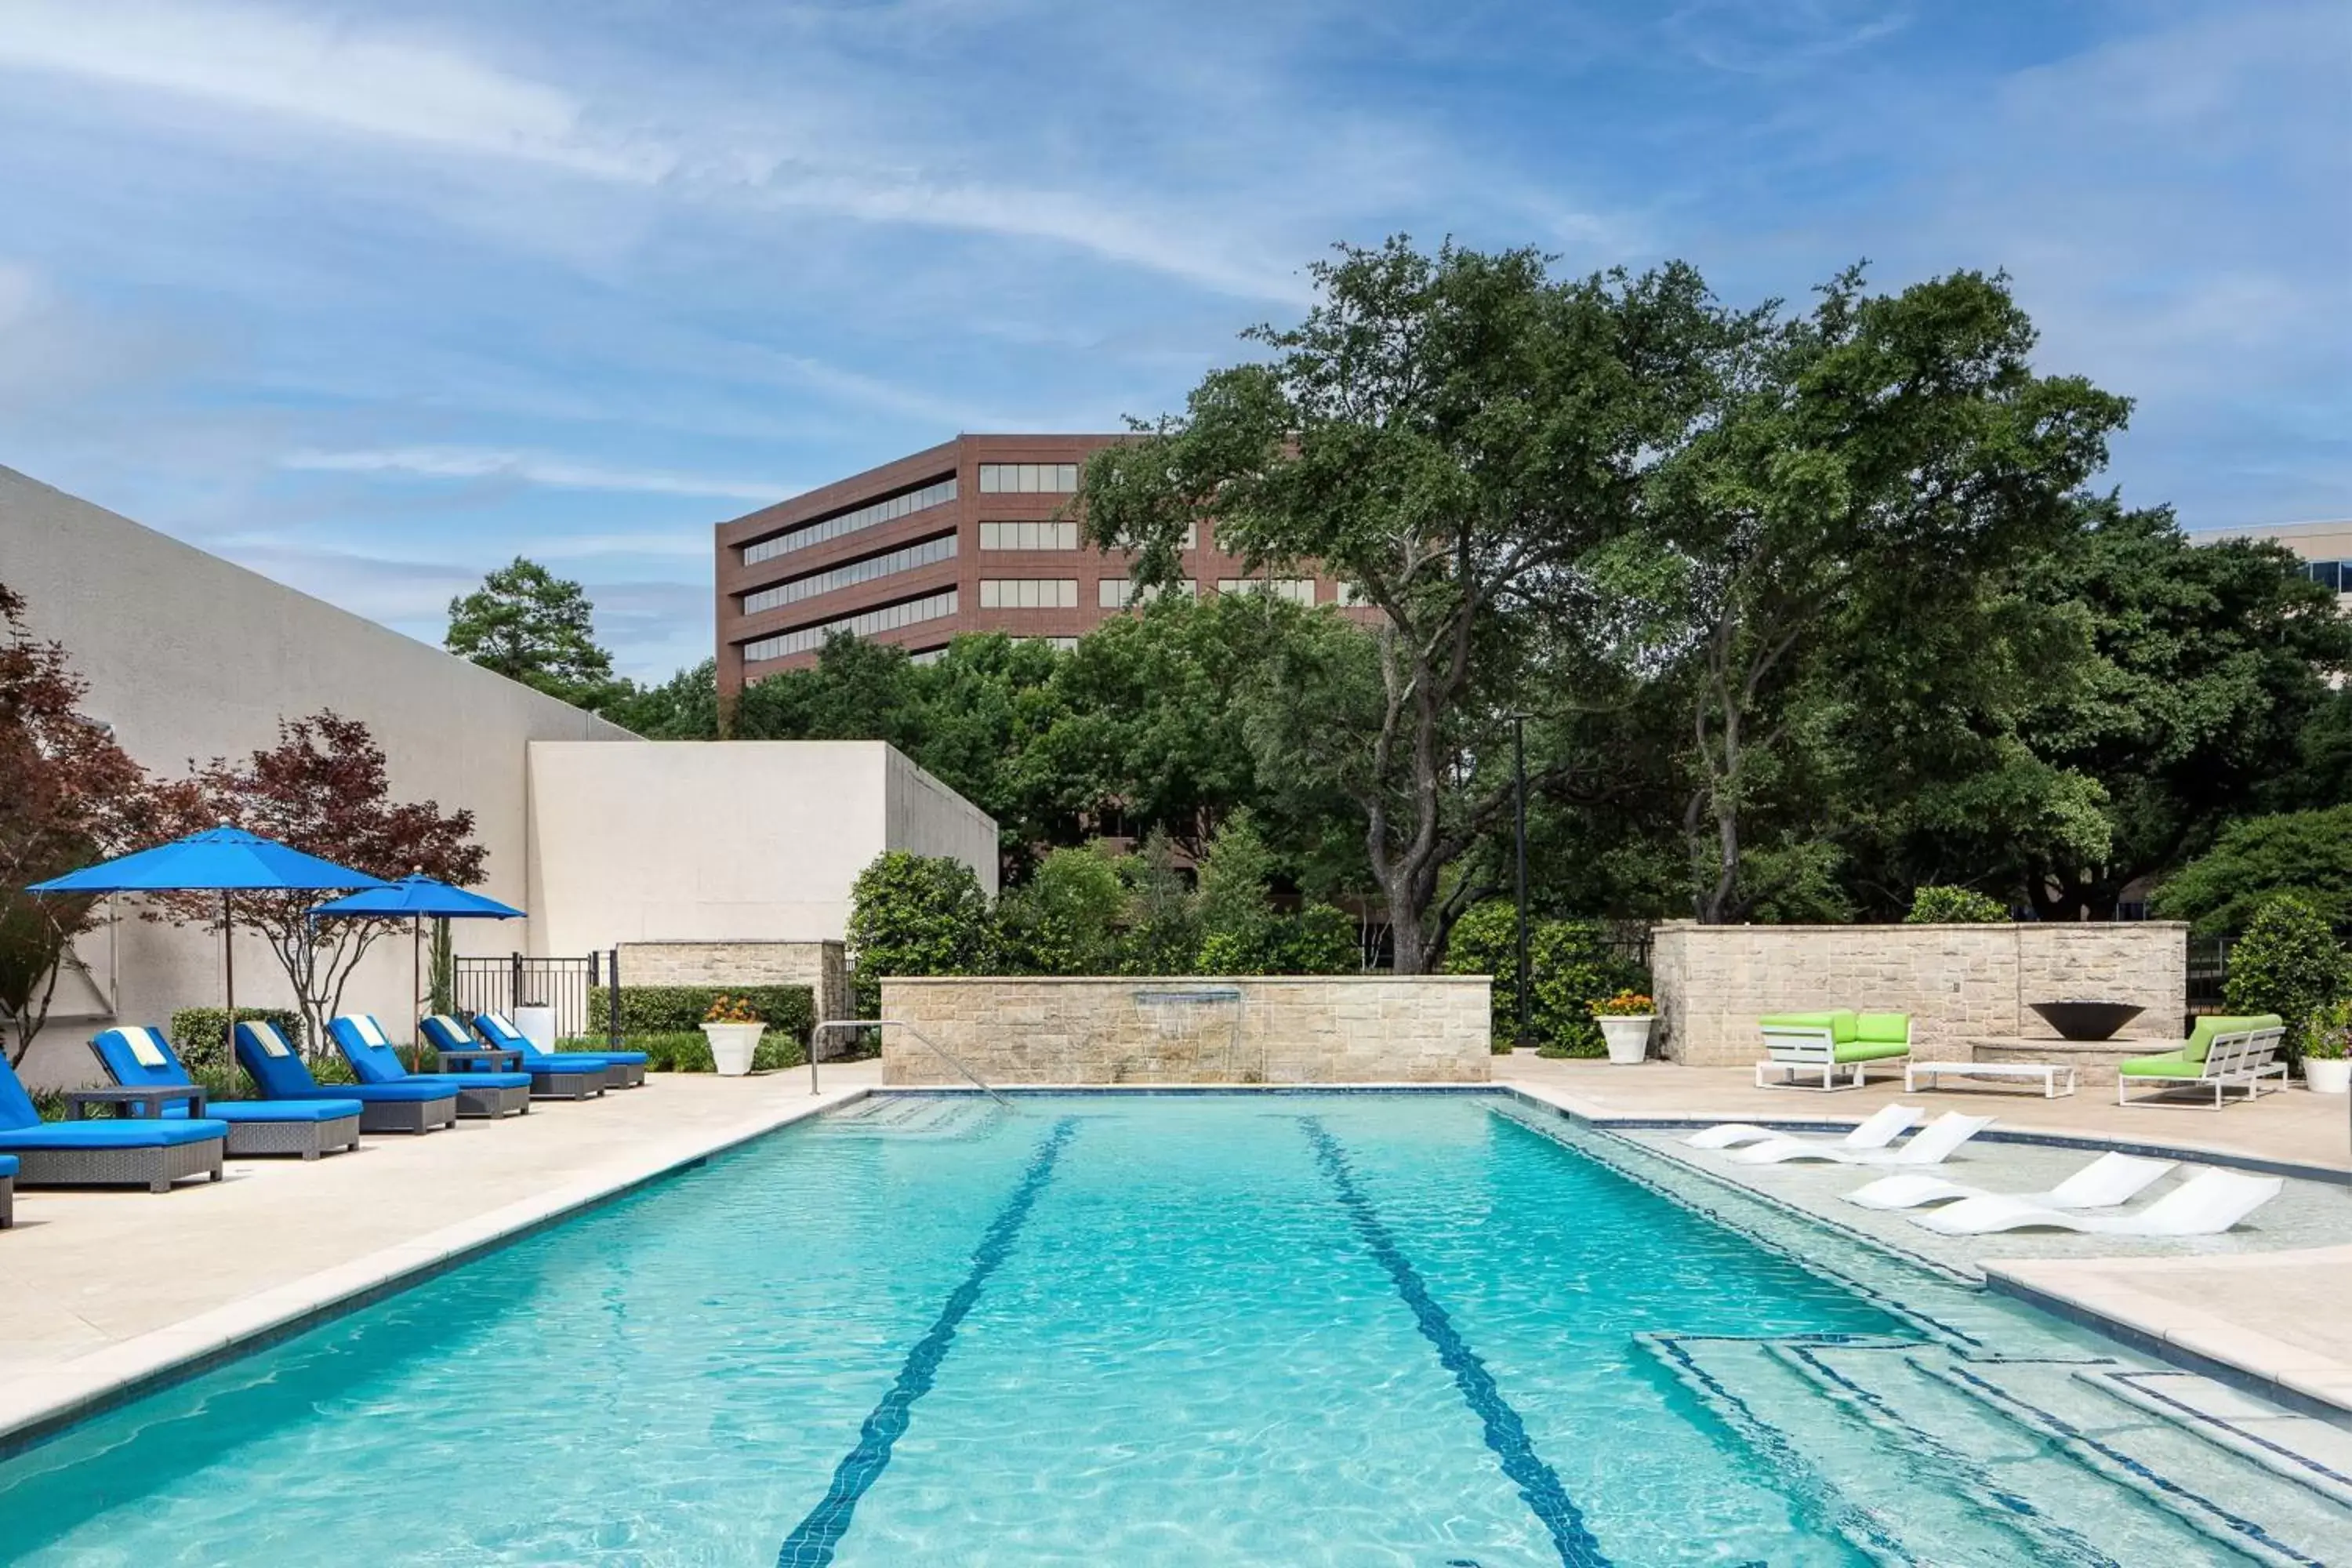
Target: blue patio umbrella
column 221, row 859
column 420, row 898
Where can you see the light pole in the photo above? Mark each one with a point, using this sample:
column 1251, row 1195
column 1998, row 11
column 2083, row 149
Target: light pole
column 1519, row 877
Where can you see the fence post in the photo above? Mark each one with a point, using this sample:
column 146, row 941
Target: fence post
column 612, row 1002
column 514, row 984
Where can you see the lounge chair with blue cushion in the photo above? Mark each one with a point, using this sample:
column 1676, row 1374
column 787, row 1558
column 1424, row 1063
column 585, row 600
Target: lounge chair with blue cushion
column 365, row 1045
column 1832, row 1043
column 552, row 1077
column 278, row 1068
column 142, row 1150
column 624, row 1069
column 2220, row 1054
column 140, row 1058
column 7, row 1191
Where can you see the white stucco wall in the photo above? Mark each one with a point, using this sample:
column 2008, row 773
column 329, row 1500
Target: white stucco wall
column 748, row 840
column 189, row 656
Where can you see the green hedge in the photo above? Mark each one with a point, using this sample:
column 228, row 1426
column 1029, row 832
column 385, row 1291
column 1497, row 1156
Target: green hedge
column 788, row 1011
column 195, row 1034
column 686, row 1050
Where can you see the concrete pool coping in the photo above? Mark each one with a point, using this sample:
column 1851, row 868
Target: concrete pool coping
column 2126, row 1299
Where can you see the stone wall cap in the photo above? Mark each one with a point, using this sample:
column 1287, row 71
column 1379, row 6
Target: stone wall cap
column 732, row 942
column 1857, row 926
column 1184, row 981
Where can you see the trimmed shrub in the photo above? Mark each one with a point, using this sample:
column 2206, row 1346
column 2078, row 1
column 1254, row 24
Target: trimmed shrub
column 788, row 1011
column 915, row 914
column 1569, row 965
column 197, row 1035
column 1939, row 906
column 2307, row 854
column 2288, row 963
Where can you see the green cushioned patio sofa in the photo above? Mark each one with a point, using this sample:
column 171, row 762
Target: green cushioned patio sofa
column 1832, row 1043
column 2222, row 1052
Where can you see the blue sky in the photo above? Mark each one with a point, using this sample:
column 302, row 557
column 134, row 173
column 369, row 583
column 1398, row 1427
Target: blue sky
column 373, row 297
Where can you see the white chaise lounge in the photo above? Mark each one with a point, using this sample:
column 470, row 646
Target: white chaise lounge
column 1931, row 1145
column 2108, row 1182
column 1882, row 1127
column 2206, row 1204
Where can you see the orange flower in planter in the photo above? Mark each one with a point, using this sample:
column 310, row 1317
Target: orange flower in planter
column 1624, row 1005
column 731, row 1010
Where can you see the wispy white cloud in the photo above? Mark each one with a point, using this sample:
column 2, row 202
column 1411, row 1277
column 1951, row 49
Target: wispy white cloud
column 531, row 468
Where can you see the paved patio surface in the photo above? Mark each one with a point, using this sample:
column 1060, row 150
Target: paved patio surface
column 100, row 1286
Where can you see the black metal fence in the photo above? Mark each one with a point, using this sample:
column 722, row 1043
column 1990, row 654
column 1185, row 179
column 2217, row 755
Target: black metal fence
column 584, row 992
column 2209, row 973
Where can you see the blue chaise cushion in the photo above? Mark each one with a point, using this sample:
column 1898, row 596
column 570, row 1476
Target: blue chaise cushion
column 135, row 1133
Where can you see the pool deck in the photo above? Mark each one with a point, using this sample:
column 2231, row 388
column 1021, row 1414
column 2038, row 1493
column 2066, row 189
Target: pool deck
column 2274, row 1317
column 100, row 1290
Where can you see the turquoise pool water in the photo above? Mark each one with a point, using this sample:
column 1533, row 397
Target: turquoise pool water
column 1264, row 1330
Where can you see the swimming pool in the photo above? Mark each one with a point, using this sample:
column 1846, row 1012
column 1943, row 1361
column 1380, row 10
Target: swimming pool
column 1364, row 1328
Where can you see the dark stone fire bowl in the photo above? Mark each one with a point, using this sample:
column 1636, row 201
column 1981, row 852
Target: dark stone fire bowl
column 2087, row 1020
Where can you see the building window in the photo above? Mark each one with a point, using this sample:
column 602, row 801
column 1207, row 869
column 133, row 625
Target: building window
column 1028, row 593
column 927, row 552
column 930, row 607
column 1028, row 479
column 2331, row 573
column 1117, row 593
column 1059, row 645
column 888, row 509
column 1298, row 590
column 1028, row 536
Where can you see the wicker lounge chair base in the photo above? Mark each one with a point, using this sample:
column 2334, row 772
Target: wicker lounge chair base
column 552, row 1085
column 307, row 1138
column 495, row 1102
column 408, row 1115
column 624, row 1075
column 7, row 1202
column 154, row 1169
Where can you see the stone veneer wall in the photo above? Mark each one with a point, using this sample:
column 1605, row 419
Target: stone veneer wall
column 1958, row 982
column 816, row 964
column 1289, row 1029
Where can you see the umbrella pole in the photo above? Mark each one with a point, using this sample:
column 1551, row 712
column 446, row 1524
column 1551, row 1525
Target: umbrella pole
column 415, row 994
column 228, row 988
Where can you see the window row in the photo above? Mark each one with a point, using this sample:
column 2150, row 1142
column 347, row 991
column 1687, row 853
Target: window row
column 1298, row 590
column 888, row 617
column 1028, row 479
column 2337, row 574
column 1117, row 593
column 888, row 509
column 924, row 554
column 1028, row 536
column 1028, row 593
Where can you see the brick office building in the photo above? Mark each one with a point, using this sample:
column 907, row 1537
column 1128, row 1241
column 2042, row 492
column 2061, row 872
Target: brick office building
column 963, row 537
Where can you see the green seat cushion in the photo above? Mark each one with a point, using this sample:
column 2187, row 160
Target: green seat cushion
column 2174, row 1065
column 1868, row 1050
column 1883, row 1028
column 2200, row 1035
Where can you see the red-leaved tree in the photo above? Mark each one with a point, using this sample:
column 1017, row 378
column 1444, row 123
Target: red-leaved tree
column 68, row 795
column 323, row 789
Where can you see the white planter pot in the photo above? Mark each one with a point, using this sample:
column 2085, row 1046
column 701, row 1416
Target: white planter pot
column 2327, row 1078
column 732, row 1045
column 537, row 1025
column 1628, row 1038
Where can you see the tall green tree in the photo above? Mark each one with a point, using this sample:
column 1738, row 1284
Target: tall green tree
column 533, row 626
column 1873, row 462
column 2205, row 694
column 1453, row 434
column 683, row 708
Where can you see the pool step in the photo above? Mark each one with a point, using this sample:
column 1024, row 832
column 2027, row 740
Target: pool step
column 1893, row 1498
column 2221, row 1474
column 914, row 1115
column 1914, row 1453
column 2036, row 1430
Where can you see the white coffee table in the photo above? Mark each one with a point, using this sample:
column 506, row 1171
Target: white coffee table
column 2048, row 1072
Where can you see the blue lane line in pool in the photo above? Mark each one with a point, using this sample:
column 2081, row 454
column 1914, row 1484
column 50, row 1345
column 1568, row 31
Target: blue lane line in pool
column 1506, row 1435
column 813, row 1541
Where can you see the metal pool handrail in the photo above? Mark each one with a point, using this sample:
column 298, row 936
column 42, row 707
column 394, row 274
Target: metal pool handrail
column 937, row 1049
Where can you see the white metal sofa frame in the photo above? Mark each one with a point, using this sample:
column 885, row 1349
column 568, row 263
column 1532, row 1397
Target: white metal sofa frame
column 2240, row 1061
column 1812, row 1048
